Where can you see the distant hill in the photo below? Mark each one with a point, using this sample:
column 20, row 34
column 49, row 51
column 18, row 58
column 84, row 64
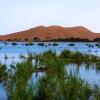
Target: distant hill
column 42, row 33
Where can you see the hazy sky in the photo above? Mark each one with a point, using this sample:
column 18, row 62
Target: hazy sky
column 17, row 15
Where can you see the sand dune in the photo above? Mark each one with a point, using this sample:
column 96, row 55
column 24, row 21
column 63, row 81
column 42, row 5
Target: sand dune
column 51, row 32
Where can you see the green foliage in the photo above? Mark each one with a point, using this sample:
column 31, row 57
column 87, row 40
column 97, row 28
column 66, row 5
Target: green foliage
column 55, row 44
column 71, row 44
column 17, row 86
column 14, row 43
column 41, row 44
column 3, row 73
column 98, row 45
column 76, row 89
column 56, row 84
column 29, row 44
column 66, row 54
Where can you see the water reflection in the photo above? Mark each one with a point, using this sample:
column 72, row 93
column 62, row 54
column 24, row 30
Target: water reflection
column 88, row 73
column 3, row 95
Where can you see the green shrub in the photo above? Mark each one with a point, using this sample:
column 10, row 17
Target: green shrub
column 71, row 44
column 55, row 44
column 14, row 43
column 41, row 44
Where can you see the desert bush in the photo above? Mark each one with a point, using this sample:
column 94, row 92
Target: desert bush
column 14, row 43
column 41, row 44
column 55, row 44
column 71, row 44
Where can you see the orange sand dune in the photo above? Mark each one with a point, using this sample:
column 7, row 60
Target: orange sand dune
column 51, row 32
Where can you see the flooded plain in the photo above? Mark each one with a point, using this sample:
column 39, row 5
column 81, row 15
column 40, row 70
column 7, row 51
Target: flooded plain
column 10, row 53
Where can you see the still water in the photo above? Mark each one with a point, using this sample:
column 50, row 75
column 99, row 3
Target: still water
column 12, row 52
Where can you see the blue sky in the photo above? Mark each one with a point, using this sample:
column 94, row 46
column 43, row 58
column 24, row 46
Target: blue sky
column 17, row 15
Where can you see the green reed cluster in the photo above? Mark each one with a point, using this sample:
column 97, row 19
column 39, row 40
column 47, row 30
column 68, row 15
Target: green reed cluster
column 55, row 84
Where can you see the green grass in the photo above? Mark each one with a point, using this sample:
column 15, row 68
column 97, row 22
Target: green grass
column 56, row 84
